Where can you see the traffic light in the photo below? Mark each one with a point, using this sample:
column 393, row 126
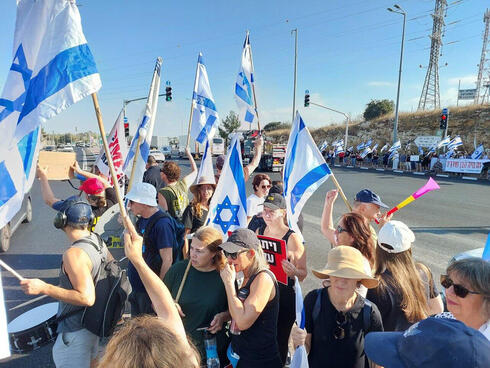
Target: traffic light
column 443, row 123
column 126, row 127
column 307, row 99
column 168, row 94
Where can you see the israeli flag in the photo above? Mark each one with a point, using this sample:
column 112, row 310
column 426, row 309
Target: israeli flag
column 449, row 154
column 300, row 358
column 228, row 207
column 421, row 150
column 478, row 152
column 393, row 154
column 443, row 143
column 384, row 147
column 368, row 143
column 204, row 114
column 374, row 147
column 366, row 151
column 360, row 146
column 338, row 149
column 340, row 143
column 323, row 146
column 350, row 149
column 145, row 131
column 455, row 142
column 206, row 169
column 244, row 88
column 305, row 170
column 52, row 68
column 395, row 147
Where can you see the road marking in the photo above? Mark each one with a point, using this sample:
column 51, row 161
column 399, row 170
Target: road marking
column 364, row 168
column 469, row 178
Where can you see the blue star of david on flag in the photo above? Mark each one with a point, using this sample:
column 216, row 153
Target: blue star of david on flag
column 227, row 205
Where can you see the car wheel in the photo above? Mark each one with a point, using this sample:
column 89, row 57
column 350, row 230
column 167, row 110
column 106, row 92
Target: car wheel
column 5, row 238
column 28, row 211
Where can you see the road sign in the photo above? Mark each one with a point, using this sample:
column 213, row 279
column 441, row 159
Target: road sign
column 427, row 140
column 466, row 94
column 445, row 110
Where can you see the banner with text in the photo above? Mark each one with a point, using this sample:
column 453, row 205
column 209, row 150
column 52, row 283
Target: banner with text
column 275, row 253
column 466, row 166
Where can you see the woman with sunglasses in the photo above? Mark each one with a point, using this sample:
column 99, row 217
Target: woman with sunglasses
column 202, row 303
column 254, row 305
column 274, row 215
column 261, row 185
column 467, row 284
column 197, row 211
column 406, row 293
column 337, row 318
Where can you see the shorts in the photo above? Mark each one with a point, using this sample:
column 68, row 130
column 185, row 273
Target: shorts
column 75, row 349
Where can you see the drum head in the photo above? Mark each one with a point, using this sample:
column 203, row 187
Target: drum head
column 33, row 317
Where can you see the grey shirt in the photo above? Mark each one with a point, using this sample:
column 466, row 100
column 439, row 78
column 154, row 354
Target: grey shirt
column 74, row 322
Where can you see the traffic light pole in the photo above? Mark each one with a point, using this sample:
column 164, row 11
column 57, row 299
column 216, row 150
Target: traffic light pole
column 347, row 120
column 126, row 102
column 295, row 69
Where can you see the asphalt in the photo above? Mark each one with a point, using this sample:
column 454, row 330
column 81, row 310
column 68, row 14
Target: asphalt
column 445, row 222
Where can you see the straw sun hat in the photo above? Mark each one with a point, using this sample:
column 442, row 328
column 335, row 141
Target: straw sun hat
column 347, row 262
column 201, row 181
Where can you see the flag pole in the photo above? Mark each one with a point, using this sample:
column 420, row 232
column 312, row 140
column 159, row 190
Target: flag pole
column 136, row 153
column 341, row 192
column 192, row 103
column 253, row 82
column 108, row 154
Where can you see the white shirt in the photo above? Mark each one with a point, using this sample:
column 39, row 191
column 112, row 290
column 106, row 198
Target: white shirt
column 254, row 205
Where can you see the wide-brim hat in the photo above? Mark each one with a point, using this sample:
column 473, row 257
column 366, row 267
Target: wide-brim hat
column 202, row 181
column 346, row 262
column 143, row 193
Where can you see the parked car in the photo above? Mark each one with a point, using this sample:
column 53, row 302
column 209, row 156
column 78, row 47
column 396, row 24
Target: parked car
column 66, row 149
column 159, row 156
column 23, row 216
column 167, row 151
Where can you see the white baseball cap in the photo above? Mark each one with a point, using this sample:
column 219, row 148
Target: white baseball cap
column 397, row 235
column 143, row 193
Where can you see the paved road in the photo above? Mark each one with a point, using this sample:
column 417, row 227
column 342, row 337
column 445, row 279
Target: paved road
column 446, row 222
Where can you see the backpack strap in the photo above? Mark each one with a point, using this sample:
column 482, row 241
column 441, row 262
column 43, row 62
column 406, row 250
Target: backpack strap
column 318, row 304
column 366, row 315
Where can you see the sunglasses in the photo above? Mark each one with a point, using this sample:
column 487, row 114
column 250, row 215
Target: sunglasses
column 233, row 255
column 340, row 229
column 459, row 290
column 266, row 186
column 339, row 332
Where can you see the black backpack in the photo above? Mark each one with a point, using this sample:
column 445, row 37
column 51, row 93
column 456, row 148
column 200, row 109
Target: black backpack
column 111, row 292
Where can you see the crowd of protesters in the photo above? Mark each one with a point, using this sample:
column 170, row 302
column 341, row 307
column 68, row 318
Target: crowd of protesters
column 192, row 284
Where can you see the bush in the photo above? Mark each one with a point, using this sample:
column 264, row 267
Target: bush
column 377, row 108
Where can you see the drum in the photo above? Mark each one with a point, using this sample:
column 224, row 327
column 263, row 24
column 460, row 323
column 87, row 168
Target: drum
column 33, row 329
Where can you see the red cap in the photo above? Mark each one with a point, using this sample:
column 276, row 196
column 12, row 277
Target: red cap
column 92, row 186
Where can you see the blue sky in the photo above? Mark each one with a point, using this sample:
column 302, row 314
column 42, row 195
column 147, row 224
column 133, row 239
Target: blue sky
column 348, row 53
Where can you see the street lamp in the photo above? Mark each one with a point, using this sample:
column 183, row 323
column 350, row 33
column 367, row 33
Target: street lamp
column 398, row 10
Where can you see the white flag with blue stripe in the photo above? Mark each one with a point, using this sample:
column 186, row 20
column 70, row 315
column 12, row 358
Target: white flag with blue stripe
column 455, row 142
column 368, row 143
column 374, row 147
column 52, row 68
column 145, row 130
column 443, row 143
column 478, row 152
column 305, row 170
column 228, row 207
column 244, row 88
column 323, row 146
column 206, row 169
column 396, row 146
column 384, row 147
column 366, row 151
column 360, row 146
column 449, row 154
column 300, row 357
column 205, row 116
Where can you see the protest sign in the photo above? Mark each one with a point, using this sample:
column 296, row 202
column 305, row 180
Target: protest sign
column 275, row 253
column 466, row 166
column 58, row 164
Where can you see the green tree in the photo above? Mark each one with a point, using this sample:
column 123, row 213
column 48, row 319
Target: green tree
column 377, row 108
column 272, row 126
column 228, row 125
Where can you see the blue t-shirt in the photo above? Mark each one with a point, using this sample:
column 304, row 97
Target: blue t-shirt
column 162, row 235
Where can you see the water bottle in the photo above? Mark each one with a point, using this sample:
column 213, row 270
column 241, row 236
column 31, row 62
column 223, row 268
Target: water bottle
column 212, row 360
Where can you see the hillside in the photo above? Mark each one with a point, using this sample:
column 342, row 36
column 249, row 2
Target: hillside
column 468, row 122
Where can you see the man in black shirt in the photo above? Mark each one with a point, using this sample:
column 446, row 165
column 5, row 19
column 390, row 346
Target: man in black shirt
column 152, row 173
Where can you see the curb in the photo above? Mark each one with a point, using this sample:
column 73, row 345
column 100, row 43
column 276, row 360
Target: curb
column 442, row 175
column 398, row 171
column 379, row 169
column 418, row 173
column 364, row 168
column 469, row 178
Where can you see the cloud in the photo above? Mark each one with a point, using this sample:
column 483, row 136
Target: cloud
column 380, row 84
column 467, row 79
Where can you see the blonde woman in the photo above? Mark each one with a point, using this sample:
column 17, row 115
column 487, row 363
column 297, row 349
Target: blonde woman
column 202, row 303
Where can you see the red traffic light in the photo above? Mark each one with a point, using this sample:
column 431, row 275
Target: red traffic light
column 443, row 117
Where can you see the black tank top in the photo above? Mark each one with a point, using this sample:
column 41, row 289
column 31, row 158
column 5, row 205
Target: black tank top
column 257, row 346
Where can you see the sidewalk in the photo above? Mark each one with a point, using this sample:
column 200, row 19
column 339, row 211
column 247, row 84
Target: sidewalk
column 447, row 176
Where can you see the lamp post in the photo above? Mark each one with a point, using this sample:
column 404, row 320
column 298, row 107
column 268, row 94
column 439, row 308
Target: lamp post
column 398, row 10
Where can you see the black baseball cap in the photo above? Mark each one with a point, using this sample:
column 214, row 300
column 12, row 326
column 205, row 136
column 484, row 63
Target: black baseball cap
column 275, row 201
column 368, row 196
column 241, row 239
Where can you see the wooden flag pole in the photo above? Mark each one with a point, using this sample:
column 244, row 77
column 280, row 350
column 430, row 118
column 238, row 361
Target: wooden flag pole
column 13, row 272
column 108, row 154
column 181, row 286
column 341, row 192
column 133, row 168
column 192, row 104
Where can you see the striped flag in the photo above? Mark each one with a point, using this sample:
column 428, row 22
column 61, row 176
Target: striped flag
column 395, row 147
column 478, row 152
column 205, row 118
column 443, row 143
column 455, row 142
column 305, row 170
column 300, row 357
column 384, row 147
column 145, row 130
column 360, row 146
column 366, row 151
column 52, row 68
column 244, row 88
